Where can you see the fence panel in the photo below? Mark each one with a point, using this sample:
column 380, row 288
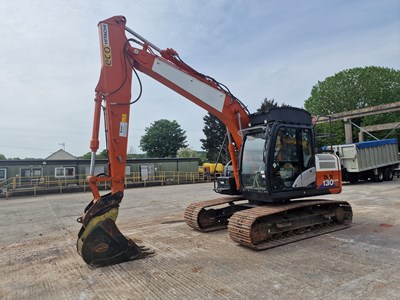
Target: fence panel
column 28, row 186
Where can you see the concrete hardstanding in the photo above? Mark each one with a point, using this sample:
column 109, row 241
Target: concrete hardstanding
column 38, row 259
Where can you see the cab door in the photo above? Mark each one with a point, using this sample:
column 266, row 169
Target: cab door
column 291, row 166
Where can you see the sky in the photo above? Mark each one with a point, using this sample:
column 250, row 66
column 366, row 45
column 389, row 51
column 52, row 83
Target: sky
column 50, row 59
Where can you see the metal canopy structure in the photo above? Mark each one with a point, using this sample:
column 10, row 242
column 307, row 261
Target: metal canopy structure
column 347, row 116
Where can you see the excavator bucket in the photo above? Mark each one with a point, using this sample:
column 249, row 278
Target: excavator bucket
column 105, row 245
column 100, row 243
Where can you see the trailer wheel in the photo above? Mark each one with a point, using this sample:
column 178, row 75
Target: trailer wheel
column 353, row 177
column 378, row 177
column 388, row 174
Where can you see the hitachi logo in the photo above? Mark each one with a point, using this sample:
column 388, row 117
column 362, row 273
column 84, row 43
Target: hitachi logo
column 104, row 28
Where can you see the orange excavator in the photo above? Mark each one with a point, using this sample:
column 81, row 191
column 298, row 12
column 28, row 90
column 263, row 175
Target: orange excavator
column 273, row 159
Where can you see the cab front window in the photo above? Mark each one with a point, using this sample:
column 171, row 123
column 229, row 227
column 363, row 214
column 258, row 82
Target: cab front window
column 253, row 165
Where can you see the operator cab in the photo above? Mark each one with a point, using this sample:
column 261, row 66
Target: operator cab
column 277, row 160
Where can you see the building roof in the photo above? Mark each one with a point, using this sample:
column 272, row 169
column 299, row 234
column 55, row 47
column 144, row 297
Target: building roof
column 61, row 155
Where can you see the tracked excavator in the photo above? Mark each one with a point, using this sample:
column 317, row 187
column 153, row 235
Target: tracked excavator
column 273, row 157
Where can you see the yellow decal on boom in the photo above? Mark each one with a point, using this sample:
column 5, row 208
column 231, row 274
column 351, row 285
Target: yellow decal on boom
column 107, row 57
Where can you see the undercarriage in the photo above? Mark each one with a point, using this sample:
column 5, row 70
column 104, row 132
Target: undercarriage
column 269, row 225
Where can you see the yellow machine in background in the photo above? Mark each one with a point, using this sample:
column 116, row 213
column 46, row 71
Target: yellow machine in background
column 211, row 168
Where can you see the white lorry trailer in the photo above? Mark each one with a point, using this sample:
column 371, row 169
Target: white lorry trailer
column 375, row 160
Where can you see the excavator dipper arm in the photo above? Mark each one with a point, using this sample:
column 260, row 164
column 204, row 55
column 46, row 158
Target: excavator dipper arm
column 99, row 241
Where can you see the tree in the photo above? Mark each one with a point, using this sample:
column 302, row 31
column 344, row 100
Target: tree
column 267, row 104
column 137, row 155
column 215, row 132
column 163, row 139
column 202, row 155
column 352, row 89
column 186, row 152
column 103, row 154
column 2, row 157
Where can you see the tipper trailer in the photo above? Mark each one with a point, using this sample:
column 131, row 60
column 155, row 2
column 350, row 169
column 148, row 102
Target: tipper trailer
column 375, row 160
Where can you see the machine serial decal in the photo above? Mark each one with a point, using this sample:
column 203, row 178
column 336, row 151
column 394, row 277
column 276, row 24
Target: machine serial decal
column 123, row 129
column 123, row 126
